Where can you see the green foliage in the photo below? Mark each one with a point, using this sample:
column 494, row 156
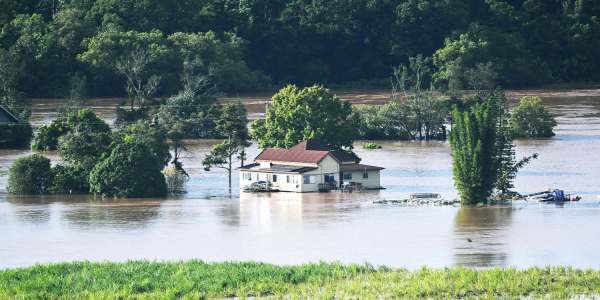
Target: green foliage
column 310, row 113
column 475, row 161
column 372, row 146
column 130, row 170
column 30, row 175
column 530, row 119
column 488, row 51
column 150, row 135
column 381, row 122
column 302, row 42
column 417, row 110
column 83, row 120
column 192, row 113
column 69, row 179
column 200, row 280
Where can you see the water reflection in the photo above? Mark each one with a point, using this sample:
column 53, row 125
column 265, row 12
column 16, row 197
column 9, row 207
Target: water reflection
column 83, row 211
column 480, row 235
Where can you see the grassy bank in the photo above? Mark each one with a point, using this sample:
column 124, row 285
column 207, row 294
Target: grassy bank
column 196, row 279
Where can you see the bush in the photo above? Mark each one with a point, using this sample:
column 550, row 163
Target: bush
column 15, row 135
column 378, row 122
column 175, row 179
column 30, row 175
column 131, row 170
column 530, row 119
column 372, row 146
column 47, row 137
column 83, row 120
column 69, row 180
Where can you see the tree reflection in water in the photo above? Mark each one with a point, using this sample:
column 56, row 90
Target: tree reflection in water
column 480, row 236
column 88, row 212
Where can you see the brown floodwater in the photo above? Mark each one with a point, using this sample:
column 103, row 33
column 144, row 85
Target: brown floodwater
column 210, row 224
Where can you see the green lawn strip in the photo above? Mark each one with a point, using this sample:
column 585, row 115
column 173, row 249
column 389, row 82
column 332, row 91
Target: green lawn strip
column 197, row 280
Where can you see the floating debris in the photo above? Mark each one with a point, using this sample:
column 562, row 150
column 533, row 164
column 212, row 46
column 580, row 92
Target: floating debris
column 550, row 195
column 421, row 199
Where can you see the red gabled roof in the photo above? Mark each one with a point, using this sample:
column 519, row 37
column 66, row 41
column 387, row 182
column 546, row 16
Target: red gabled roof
column 292, row 155
column 308, row 151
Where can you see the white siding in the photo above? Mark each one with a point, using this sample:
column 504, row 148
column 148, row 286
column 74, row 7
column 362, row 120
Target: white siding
column 372, row 182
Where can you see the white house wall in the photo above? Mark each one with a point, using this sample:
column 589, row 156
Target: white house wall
column 373, row 182
column 327, row 166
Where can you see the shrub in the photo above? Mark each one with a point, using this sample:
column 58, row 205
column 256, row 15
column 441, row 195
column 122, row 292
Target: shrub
column 379, row 122
column 175, row 179
column 47, row 137
column 131, row 170
column 30, row 175
column 530, row 119
column 371, row 146
column 83, row 120
column 69, row 180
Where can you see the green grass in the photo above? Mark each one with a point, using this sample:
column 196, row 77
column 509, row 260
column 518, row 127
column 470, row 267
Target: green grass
column 199, row 280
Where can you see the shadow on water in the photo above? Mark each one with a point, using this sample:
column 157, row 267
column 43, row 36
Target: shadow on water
column 480, row 236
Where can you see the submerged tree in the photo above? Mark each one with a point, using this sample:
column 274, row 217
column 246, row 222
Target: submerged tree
column 531, row 119
column 415, row 107
column 474, row 151
column 222, row 156
column 297, row 114
column 234, row 125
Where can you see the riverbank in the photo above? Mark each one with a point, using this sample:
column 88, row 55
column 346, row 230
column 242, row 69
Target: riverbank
column 196, row 279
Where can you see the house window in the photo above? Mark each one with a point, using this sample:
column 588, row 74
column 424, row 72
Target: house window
column 274, row 178
column 288, row 179
column 310, row 179
column 247, row 176
column 347, row 176
column 365, row 175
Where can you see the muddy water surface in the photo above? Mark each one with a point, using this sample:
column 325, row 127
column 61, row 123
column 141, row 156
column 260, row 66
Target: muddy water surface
column 207, row 223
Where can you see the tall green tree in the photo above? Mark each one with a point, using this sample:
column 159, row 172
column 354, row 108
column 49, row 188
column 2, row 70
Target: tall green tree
column 475, row 161
column 296, row 114
column 234, row 125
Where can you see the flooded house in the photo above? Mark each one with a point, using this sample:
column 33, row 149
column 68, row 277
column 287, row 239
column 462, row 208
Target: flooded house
column 309, row 166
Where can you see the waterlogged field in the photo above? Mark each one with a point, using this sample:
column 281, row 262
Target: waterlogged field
column 211, row 224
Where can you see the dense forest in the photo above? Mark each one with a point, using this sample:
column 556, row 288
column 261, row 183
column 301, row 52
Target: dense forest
column 47, row 46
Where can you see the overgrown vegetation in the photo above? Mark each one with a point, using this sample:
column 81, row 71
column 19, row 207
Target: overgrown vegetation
column 233, row 124
column 300, row 42
column 93, row 159
column 531, row 119
column 30, row 175
column 199, row 280
column 297, row 114
column 483, row 156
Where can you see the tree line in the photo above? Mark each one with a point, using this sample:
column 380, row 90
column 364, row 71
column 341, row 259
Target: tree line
column 249, row 44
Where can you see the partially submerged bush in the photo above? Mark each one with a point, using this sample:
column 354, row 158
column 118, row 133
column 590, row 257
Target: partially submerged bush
column 131, row 170
column 47, row 136
column 69, row 180
column 531, row 119
column 371, row 146
column 176, row 180
column 30, row 175
column 83, row 120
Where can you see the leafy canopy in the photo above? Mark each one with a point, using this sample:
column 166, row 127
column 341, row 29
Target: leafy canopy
column 297, row 114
